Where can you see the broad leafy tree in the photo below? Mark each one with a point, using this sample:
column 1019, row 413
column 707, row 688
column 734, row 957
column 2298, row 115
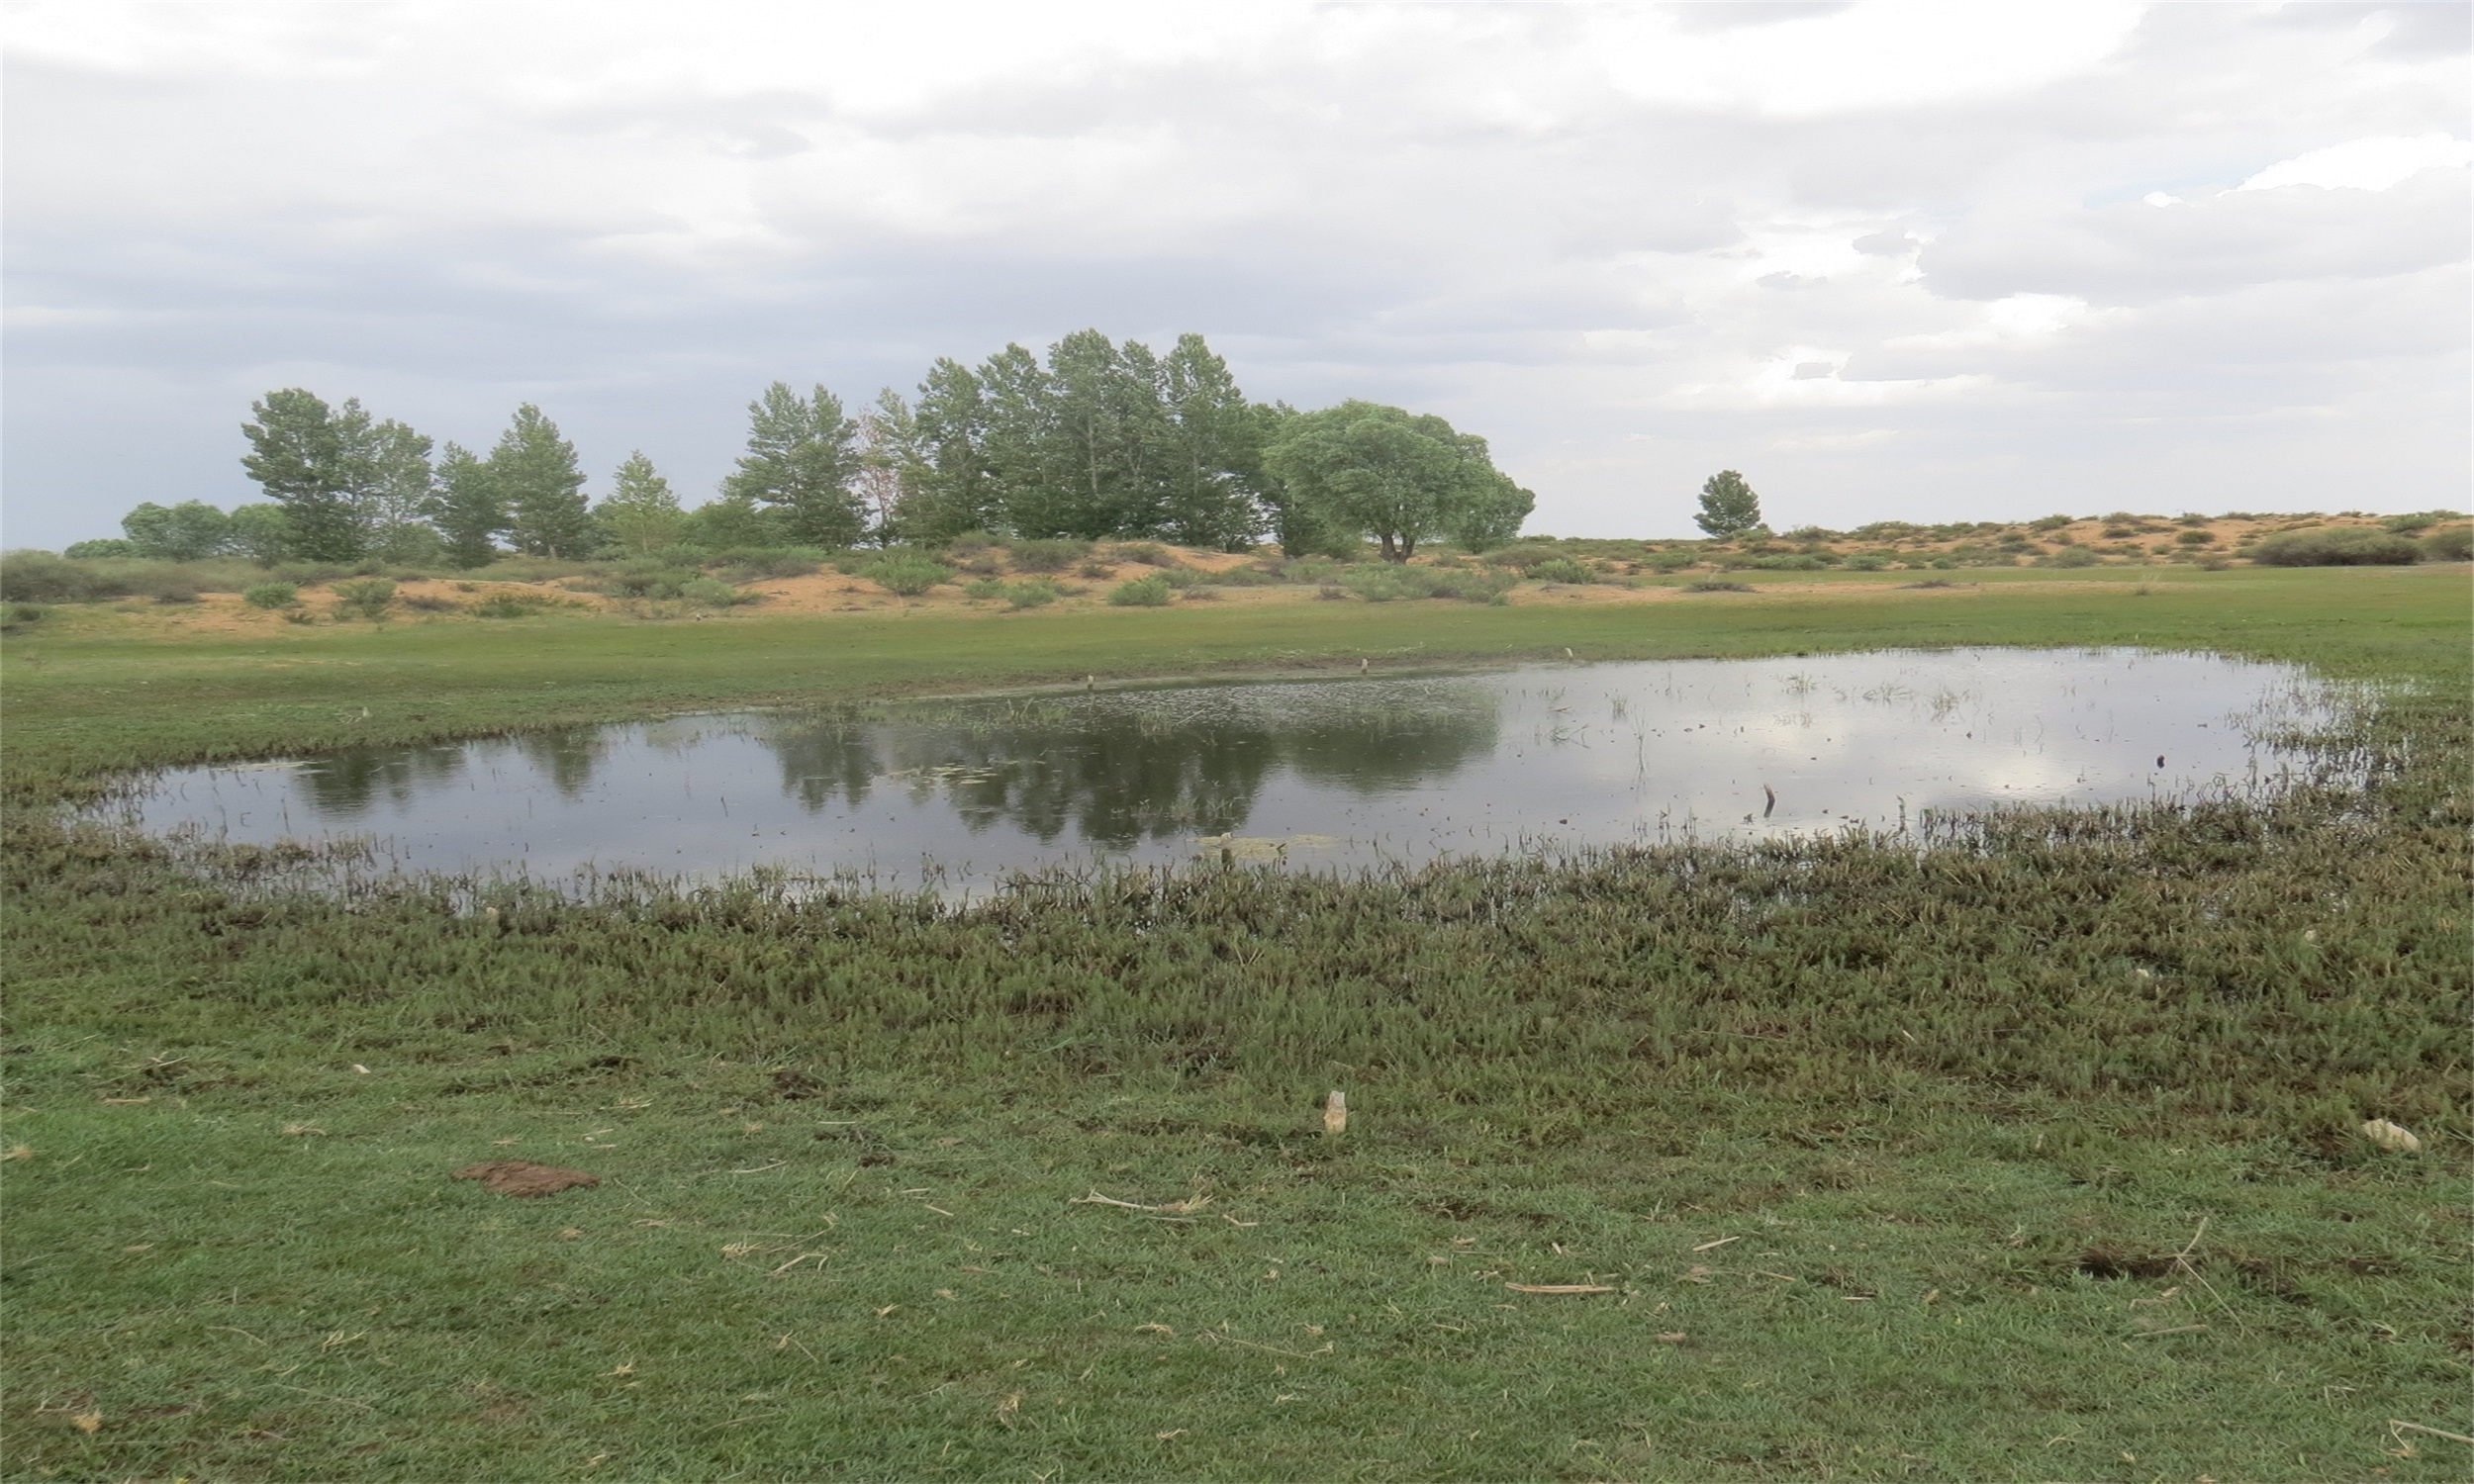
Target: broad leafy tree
column 1398, row 477
column 1729, row 508
column 298, row 455
column 641, row 512
column 542, row 487
column 466, row 507
column 183, row 532
column 803, row 456
column 260, row 531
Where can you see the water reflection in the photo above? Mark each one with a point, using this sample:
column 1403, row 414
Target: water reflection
column 1315, row 773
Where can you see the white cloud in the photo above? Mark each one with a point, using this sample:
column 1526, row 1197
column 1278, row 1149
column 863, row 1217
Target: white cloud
column 2373, row 164
column 1901, row 247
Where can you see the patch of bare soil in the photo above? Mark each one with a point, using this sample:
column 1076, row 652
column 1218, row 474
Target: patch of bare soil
column 523, row 1178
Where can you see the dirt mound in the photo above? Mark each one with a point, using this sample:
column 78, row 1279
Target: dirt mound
column 523, row 1178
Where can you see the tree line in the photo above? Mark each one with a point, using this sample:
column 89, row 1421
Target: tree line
column 1095, row 441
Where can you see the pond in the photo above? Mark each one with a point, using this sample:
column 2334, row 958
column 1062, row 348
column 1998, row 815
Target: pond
column 954, row 795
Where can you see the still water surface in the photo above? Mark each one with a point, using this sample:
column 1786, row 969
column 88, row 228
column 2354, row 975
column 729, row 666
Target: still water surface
column 1322, row 774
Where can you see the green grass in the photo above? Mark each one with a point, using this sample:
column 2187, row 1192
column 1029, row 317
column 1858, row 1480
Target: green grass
column 1960, row 1111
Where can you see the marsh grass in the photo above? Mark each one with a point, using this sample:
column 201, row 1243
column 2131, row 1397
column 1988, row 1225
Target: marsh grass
column 2014, row 1151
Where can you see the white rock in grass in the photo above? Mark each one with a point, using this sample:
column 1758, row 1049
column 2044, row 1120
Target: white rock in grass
column 2394, row 1137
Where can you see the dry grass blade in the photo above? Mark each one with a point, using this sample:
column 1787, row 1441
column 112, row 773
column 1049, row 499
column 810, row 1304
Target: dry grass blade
column 1559, row 1287
column 2395, row 1427
column 1173, row 1208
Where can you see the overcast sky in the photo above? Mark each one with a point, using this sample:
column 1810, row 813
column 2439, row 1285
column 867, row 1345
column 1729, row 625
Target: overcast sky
column 1891, row 260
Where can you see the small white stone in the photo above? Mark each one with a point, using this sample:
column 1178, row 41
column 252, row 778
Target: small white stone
column 2394, row 1137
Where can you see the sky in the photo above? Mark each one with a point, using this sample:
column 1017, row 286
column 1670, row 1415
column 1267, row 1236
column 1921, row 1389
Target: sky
column 1892, row 260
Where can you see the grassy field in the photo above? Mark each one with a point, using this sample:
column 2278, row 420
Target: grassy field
column 2028, row 1157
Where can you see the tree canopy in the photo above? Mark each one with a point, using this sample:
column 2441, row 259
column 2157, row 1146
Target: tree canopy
column 1401, row 478
column 1729, row 508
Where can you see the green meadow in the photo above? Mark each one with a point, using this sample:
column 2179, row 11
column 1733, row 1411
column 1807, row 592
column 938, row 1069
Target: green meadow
column 2030, row 1154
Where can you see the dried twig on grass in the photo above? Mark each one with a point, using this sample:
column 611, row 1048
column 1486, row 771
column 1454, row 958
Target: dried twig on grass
column 1559, row 1289
column 1173, row 1208
column 2393, row 1427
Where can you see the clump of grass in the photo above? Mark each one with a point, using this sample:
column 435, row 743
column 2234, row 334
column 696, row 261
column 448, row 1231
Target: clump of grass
column 1717, row 585
column 271, row 595
column 368, row 600
column 1047, row 555
column 907, row 574
column 1031, row 593
column 1561, row 570
column 506, row 603
column 1153, row 591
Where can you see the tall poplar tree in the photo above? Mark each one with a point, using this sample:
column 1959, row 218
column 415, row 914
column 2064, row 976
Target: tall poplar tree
column 955, row 490
column 391, row 483
column 803, row 455
column 298, row 456
column 643, row 513
column 466, row 507
column 890, row 466
column 542, row 487
column 1212, row 462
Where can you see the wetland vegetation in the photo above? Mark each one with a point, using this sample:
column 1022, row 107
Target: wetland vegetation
column 2030, row 1150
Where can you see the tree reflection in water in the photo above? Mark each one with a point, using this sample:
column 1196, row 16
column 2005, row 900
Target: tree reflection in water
column 1128, row 767
column 344, row 785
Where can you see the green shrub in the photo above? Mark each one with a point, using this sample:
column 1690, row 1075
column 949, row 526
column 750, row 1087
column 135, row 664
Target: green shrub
column 102, row 550
column 43, row 577
column 370, row 600
column 1035, row 592
column 1151, row 591
column 507, row 605
column 755, row 566
column 1048, row 556
column 2195, row 538
column 2449, row 543
column 2048, row 522
column 1243, row 577
column 430, row 603
column 713, row 593
column 1870, row 561
column 1561, row 570
column 1713, row 585
column 1148, row 553
column 1386, row 581
column 907, row 574
column 2336, row 546
column 984, row 590
column 19, row 615
column 1800, row 562
column 2072, row 556
column 971, row 544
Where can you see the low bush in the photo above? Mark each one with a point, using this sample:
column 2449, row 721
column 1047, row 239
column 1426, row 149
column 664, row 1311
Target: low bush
column 176, row 593
column 971, row 544
column 1243, row 577
column 907, row 574
column 755, row 566
column 2336, row 546
column 1386, row 581
column 713, row 593
column 2449, row 543
column 987, row 589
column 1561, row 570
column 1151, row 591
column 2072, row 556
column 505, row 605
column 1148, row 553
column 430, row 603
column 1799, row 562
column 1032, row 592
column 45, row 576
column 1871, row 561
column 2196, row 538
column 2048, row 522
column 19, row 615
column 1714, row 585
column 369, row 599
column 1048, row 556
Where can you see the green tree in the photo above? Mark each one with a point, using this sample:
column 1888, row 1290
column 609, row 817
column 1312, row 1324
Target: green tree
column 803, row 456
column 734, row 522
column 183, row 532
column 955, row 490
column 390, row 482
column 641, row 514
column 1027, row 479
column 1214, row 455
column 1492, row 515
column 1398, row 477
column 890, row 467
column 542, row 486
column 1729, row 508
column 262, row 532
column 298, row 456
column 467, row 508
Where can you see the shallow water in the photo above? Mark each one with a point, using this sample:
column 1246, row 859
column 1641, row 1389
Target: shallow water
column 1314, row 774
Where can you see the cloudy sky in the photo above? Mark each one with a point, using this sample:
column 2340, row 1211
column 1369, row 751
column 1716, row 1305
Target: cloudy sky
column 1892, row 260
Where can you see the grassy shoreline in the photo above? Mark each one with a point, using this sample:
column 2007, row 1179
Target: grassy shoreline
column 2029, row 1158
